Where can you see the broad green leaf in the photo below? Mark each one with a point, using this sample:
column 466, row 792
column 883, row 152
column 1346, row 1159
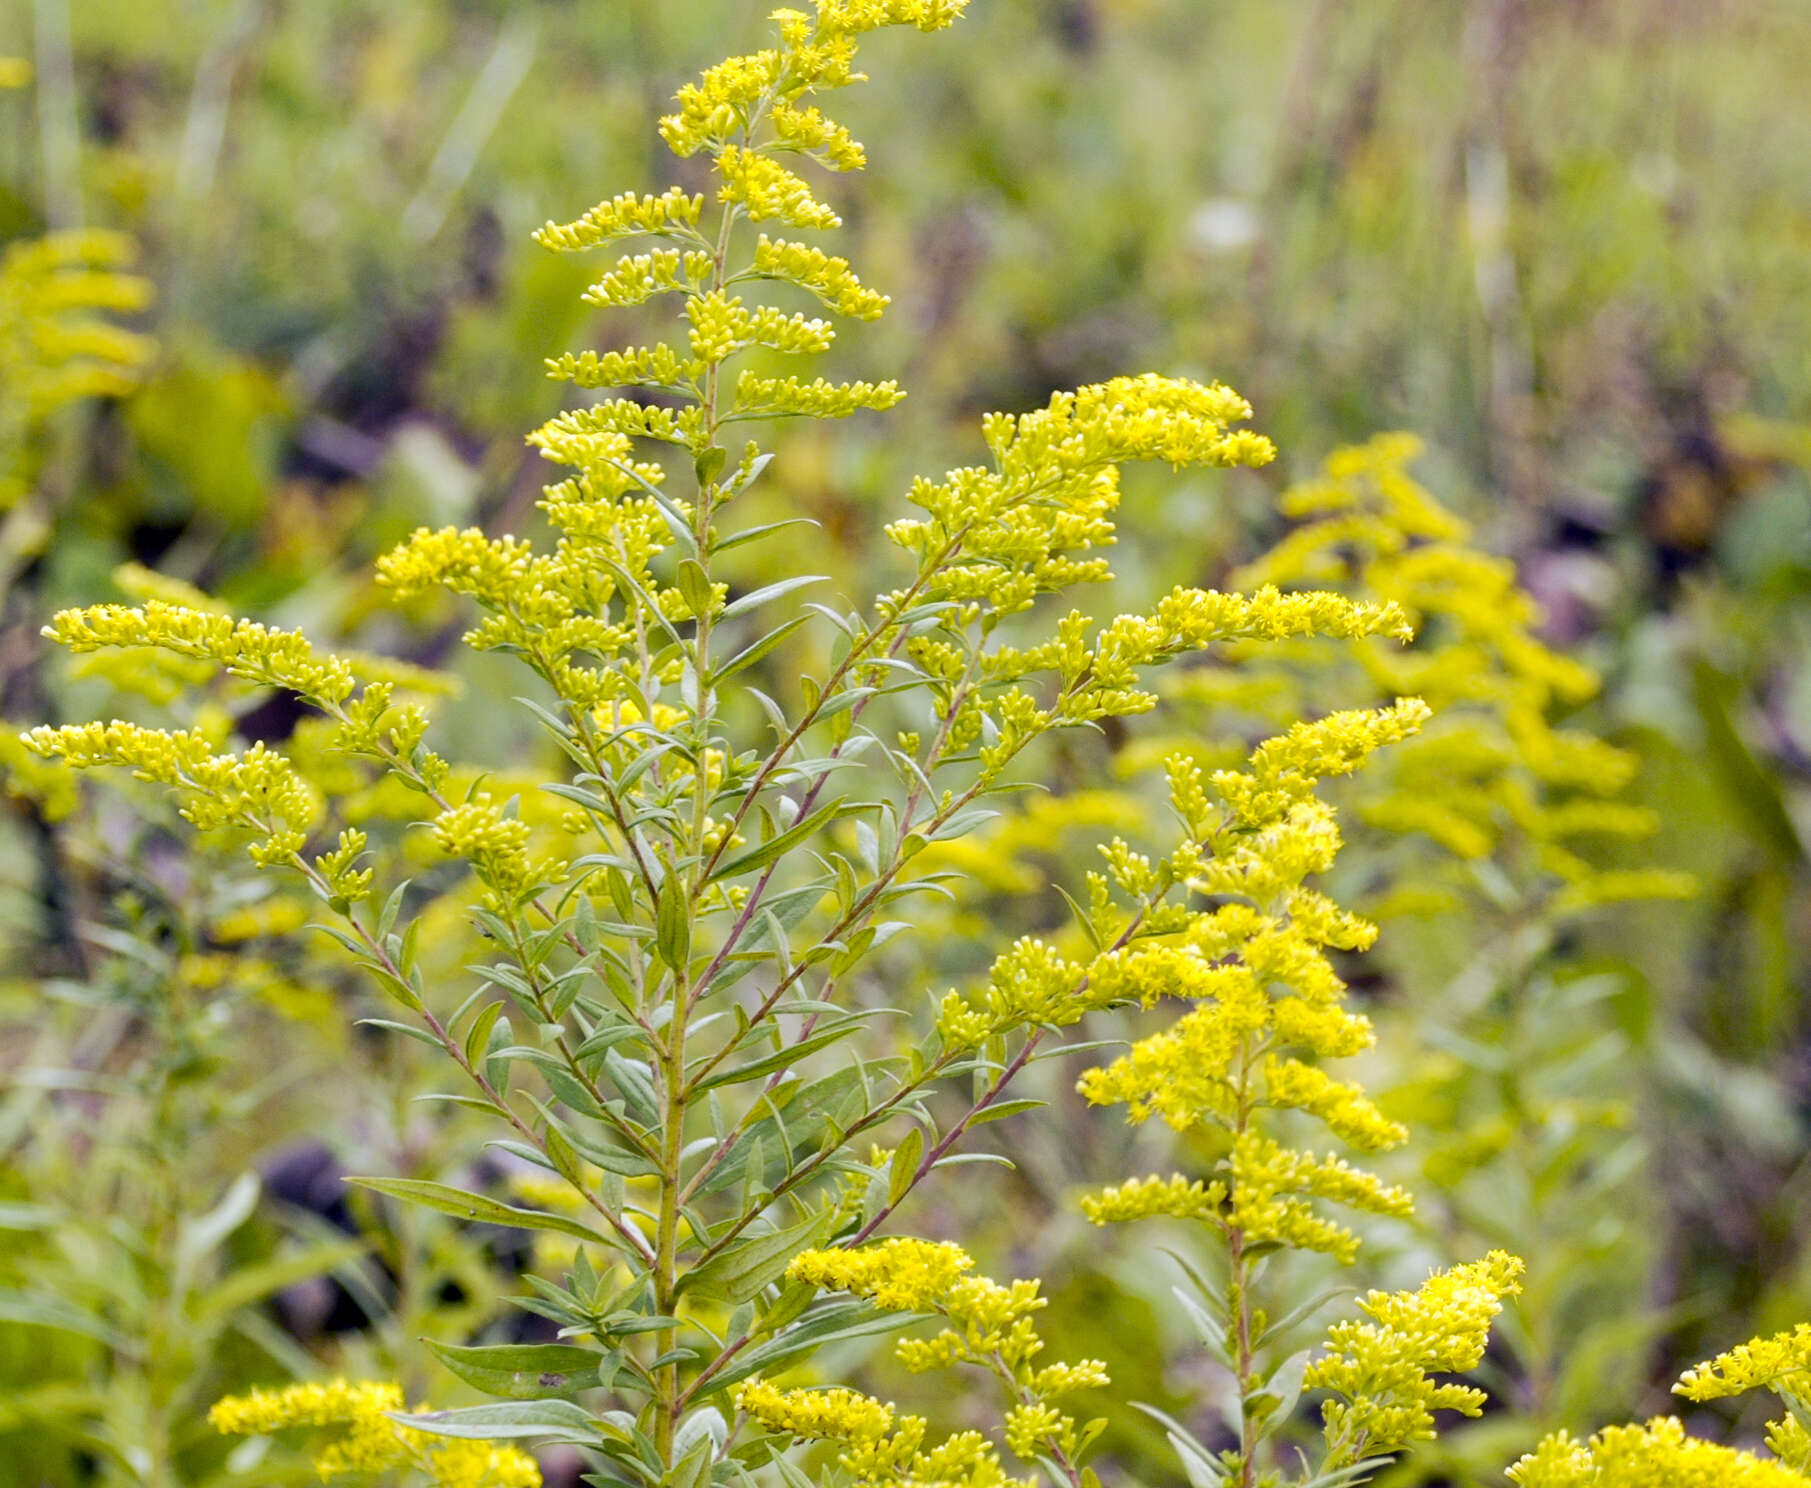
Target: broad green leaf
column 753, row 600
column 904, row 1170
column 46, row 1311
column 524, row 1418
column 742, row 1269
column 756, row 649
column 833, row 1322
column 779, row 844
column 672, row 928
column 457, row 1201
column 528, row 1371
column 477, row 1038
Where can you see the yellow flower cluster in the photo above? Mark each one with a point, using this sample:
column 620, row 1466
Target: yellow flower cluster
column 638, row 277
column 258, row 791
column 1380, row 1372
column 331, row 1403
column 1258, row 971
column 880, row 1446
column 989, row 1326
column 1657, row 1455
column 816, row 1415
column 1022, row 528
column 26, row 776
column 56, row 344
column 625, row 216
column 272, row 918
column 368, row 1440
column 1347, row 1111
column 810, row 133
column 1284, row 771
column 552, row 608
column 898, row 1275
column 659, row 366
column 722, row 327
column 1493, row 770
column 1781, row 1363
column 573, row 612
column 1660, row 1453
column 460, row 560
column 1271, row 1187
column 766, row 189
column 1175, row 1197
column 790, row 397
column 244, row 648
column 830, row 279
column 495, row 843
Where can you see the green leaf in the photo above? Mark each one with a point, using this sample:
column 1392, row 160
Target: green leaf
column 701, row 1425
column 904, row 1169
column 1273, row 1405
column 1346, row 1477
column 456, row 1201
column 53, row 1312
column 607, row 1037
column 1208, row 1328
column 1750, row 786
column 408, row 1030
column 254, row 1283
column 672, row 927
column 1201, row 1464
column 634, row 1082
column 791, row 1474
column 779, row 844
column 755, row 650
column 1299, row 1314
column 27, row 1216
column 1082, row 919
column 477, row 1038
column 761, row 596
column 740, row 1271
column 833, row 1322
column 709, row 465
column 527, row 1371
column 522, row 1418
column 1000, row 1110
column 496, row 1055
column 695, row 585
column 199, row 1236
column 779, row 1059
column 739, row 483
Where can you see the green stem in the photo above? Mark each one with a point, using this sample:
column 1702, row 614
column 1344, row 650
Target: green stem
column 1238, row 1298
column 670, row 1395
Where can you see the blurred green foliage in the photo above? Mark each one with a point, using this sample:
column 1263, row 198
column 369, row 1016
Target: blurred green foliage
column 1567, row 243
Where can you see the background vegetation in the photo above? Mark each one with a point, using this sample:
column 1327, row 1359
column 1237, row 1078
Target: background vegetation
column 1568, row 244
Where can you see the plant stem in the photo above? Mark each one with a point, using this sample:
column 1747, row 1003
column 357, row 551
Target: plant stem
column 1238, row 1297
column 670, row 1397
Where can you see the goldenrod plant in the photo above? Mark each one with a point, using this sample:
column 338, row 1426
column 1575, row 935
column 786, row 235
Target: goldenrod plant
column 58, row 342
column 1499, row 815
column 1660, row 1454
column 367, row 1439
column 1241, row 1071
column 1494, row 781
column 673, row 1027
column 59, row 346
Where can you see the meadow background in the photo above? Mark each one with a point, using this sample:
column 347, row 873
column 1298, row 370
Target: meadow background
column 1566, row 242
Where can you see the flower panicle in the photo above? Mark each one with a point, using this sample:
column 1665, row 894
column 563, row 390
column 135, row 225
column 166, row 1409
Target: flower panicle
column 1656, row 1455
column 259, row 792
column 1380, row 1373
column 990, row 1325
column 368, row 1440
